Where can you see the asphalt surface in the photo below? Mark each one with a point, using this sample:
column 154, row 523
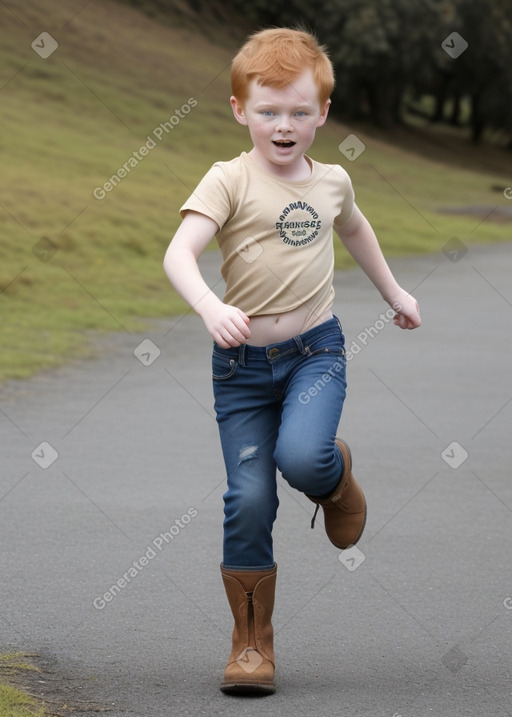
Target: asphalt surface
column 417, row 623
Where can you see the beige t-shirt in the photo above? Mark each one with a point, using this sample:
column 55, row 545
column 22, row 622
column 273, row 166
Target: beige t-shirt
column 275, row 235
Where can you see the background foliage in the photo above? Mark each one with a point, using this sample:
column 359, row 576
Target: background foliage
column 388, row 56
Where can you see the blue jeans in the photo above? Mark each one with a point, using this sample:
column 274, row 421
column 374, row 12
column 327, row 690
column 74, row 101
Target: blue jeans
column 277, row 406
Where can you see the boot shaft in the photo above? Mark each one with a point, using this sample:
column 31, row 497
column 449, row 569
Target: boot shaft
column 250, row 595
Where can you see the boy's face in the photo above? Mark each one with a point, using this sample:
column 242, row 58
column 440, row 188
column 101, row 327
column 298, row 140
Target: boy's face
column 282, row 122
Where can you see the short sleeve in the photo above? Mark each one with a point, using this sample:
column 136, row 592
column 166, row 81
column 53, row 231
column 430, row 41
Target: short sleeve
column 348, row 201
column 211, row 197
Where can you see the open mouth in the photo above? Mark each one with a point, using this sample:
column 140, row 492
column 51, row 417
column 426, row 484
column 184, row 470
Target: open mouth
column 283, row 142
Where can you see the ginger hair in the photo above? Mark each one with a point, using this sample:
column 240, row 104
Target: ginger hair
column 275, row 57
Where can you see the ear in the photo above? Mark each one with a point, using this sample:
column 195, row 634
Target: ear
column 238, row 110
column 323, row 114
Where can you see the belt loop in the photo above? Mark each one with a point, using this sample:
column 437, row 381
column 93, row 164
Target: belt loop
column 300, row 344
column 242, row 354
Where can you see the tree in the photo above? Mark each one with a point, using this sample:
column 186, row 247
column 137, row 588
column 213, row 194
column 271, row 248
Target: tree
column 386, row 53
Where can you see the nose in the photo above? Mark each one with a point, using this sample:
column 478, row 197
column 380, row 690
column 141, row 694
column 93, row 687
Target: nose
column 284, row 123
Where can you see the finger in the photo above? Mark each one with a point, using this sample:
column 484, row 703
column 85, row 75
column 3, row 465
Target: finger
column 403, row 321
column 244, row 317
column 232, row 335
column 225, row 338
column 242, row 327
column 229, row 342
column 220, row 341
column 413, row 323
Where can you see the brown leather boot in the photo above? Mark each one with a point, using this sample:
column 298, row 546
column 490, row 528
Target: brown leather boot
column 345, row 508
column 251, row 664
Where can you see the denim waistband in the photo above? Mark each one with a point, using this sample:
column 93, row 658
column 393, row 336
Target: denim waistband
column 298, row 344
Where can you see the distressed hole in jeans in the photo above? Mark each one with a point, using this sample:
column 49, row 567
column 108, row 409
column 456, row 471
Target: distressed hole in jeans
column 247, row 453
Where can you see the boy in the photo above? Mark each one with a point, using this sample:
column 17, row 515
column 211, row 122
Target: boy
column 273, row 210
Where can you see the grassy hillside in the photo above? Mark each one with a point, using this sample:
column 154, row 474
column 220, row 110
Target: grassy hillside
column 78, row 253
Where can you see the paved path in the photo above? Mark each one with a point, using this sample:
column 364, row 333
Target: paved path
column 417, row 623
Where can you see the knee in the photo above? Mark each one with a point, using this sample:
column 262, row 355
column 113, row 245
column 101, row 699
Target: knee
column 310, row 467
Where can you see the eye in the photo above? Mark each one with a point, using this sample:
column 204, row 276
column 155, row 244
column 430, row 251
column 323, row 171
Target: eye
column 267, row 113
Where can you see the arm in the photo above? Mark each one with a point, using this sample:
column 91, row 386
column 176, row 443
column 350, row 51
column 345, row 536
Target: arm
column 227, row 325
column 360, row 241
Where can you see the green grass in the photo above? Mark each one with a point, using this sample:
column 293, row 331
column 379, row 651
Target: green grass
column 70, row 121
column 14, row 702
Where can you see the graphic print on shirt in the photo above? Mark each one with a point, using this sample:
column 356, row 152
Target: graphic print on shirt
column 298, row 224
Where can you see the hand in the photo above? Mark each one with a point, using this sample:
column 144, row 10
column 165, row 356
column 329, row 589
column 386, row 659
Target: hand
column 227, row 324
column 407, row 311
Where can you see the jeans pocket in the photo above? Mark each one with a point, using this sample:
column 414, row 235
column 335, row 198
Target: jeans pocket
column 335, row 350
column 223, row 366
column 331, row 340
column 327, row 345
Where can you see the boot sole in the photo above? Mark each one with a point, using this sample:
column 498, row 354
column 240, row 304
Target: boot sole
column 241, row 688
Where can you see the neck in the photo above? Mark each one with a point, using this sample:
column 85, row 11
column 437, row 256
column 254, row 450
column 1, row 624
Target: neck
column 295, row 172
